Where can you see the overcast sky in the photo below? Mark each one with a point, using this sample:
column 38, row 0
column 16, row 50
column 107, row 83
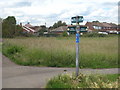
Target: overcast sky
column 39, row 12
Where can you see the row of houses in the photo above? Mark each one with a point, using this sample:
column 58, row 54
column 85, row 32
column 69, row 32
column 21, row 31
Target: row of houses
column 103, row 27
column 71, row 29
column 90, row 27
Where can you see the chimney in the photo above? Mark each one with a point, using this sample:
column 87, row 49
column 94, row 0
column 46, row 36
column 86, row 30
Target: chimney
column 20, row 24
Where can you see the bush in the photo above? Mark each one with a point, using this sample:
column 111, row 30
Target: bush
column 64, row 34
column 12, row 51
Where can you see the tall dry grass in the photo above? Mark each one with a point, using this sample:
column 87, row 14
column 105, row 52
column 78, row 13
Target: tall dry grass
column 97, row 52
column 84, row 81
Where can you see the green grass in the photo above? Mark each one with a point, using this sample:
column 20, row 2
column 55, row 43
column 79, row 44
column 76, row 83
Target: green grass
column 95, row 52
column 84, row 81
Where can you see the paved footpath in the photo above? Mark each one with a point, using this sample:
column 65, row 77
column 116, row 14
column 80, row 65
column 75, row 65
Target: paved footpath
column 15, row 76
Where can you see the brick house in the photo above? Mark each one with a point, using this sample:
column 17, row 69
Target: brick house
column 28, row 28
column 102, row 27
column 59, row 30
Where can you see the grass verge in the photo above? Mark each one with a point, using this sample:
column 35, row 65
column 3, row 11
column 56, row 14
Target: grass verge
column 84, row 81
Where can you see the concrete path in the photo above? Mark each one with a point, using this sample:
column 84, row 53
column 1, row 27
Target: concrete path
column 15, row 76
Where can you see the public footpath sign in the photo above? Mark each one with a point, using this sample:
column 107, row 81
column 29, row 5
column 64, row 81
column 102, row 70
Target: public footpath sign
column 77, row 37
column 77, row 53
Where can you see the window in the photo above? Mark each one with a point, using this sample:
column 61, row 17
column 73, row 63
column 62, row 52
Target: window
column 96, row 27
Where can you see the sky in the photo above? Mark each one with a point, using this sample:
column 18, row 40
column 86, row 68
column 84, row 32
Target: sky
column 39, row 12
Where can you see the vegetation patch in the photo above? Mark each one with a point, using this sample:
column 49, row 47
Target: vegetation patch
column 97, row 52
column 84, row 81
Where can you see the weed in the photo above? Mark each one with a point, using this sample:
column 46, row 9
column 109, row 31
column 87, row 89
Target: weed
column 84, row 81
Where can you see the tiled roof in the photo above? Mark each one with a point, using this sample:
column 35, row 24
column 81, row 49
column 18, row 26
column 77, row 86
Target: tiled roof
column 28, row 25
column 74, row 25
column 104, row 24
column 61, row 28
column 113, row 25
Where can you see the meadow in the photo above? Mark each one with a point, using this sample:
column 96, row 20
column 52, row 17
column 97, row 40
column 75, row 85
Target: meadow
column 95, row 52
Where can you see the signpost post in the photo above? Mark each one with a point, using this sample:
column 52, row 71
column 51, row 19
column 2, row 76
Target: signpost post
column 77, row 20
column 77, row 53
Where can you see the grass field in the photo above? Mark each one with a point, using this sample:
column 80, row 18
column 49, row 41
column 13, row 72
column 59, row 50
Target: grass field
column 95, row 52
column 84, row 81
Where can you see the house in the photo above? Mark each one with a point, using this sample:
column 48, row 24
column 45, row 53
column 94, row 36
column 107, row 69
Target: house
column 102, row 27
column 70, row 29
column 28, row 28
column 59, row 30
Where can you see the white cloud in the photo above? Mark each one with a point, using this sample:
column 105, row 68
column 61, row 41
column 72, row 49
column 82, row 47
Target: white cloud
column 49, row 11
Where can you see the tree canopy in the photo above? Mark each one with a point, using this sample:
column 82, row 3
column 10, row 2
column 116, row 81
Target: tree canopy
column 95, row 21
column 9, row 27
column 58, row 24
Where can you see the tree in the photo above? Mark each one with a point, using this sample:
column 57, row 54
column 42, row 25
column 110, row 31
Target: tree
column 18, row 30
column 42, row 30
column 9, row 26
column 10, row 29
column 0, row 27
column 95, row 21
column 55, row 25
column 58, row 24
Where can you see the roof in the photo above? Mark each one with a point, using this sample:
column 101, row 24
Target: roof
column 75, row 25
column 61, row 28
column 113, row 25
column 89, row 24
column 28, row 25
column 28, row 29
column 104, row 24
column 36, row 28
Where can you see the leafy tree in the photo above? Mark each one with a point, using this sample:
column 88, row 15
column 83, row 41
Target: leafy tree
column 42, row 30
column 10, row 29
column 58, row 24
column 95, row 21
column 0, row 27
column 64, row 24
column 18, row 30
column 55, row 25
column 9, row 26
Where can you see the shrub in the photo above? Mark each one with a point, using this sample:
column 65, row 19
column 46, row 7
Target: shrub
column 64, row 34
column 11, row 50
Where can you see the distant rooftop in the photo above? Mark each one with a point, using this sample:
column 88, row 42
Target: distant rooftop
column 28, row 25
